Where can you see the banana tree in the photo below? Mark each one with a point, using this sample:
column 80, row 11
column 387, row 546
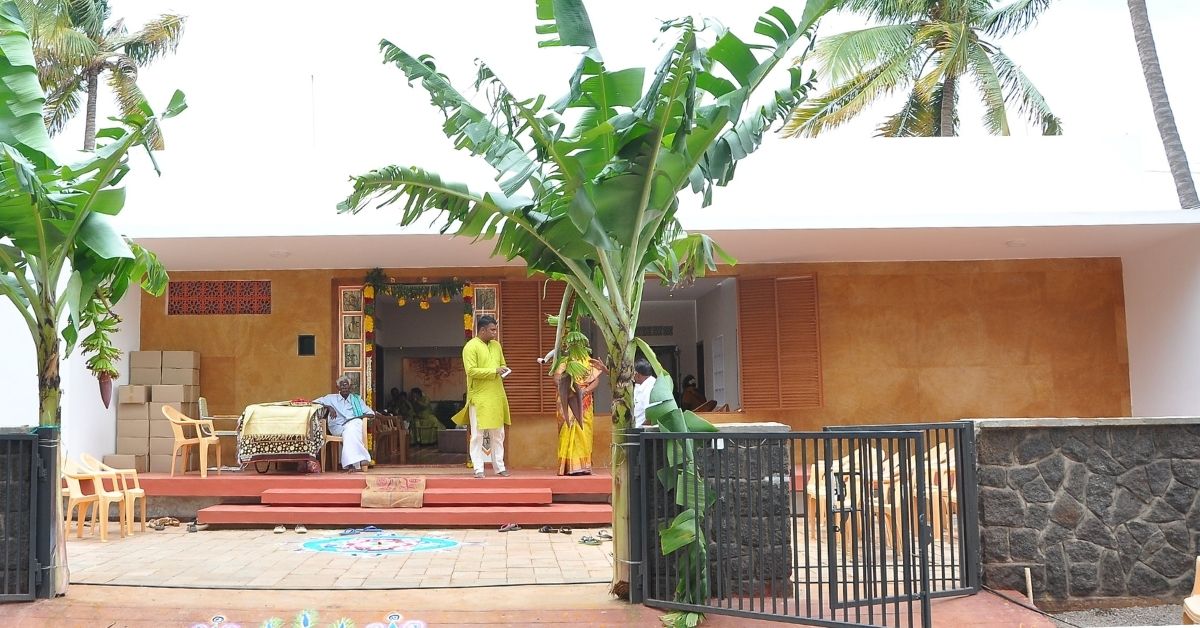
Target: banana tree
column 588, row 184
column 63, row 264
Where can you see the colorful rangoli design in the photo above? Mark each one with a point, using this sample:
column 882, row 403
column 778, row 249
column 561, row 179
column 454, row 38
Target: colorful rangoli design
column 379, row 545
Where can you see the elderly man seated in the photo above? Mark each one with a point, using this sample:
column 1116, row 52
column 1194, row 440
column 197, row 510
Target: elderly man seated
column 346, row 412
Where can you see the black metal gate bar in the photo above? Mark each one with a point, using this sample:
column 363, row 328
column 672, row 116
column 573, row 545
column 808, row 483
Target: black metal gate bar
column 770, row 558
column 955, row 563
column 18, row 472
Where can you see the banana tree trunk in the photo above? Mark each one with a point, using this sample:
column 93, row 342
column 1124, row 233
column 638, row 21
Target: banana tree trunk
column 621, row 352
column 51, row 546
column 89, row 128
column 1177, row 161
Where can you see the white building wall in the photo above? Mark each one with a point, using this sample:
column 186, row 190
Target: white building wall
column 18, row 369
column 1162, row 313
column 716, row 315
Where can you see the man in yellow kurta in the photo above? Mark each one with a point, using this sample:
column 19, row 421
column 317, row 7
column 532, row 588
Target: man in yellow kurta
column 487, row 405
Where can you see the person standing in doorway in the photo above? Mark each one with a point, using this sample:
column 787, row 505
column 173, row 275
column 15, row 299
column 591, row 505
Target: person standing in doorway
column 643, row 383
column 487, row 405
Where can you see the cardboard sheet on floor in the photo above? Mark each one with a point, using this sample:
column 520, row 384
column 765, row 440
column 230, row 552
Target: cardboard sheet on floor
column 393, row 491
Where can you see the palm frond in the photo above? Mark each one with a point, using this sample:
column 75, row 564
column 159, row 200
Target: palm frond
column 844, row 55
column 917, row 118
column 953, row 42
column 1024, row 95
column 1013, row 18
column 889, row 11
column 468, row 127
column 156, row 38
column 995, row 119
column 62, row 103
column 122, row 79
column 841, row 103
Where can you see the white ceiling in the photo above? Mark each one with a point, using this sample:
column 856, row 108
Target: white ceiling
column 747, row 246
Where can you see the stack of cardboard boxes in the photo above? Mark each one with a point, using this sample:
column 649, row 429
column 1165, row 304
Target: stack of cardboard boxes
column 157, row 379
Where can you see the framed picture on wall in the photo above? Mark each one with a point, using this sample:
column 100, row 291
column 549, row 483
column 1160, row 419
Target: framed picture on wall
column 352, row 300
column 355, row 378
column 352, row 356
column 352, row 327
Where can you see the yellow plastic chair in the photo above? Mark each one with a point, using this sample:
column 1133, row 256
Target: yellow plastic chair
column 103, row 497
column 200, row 441
column 1191, row 604
column 130, row 486
column 330, row 439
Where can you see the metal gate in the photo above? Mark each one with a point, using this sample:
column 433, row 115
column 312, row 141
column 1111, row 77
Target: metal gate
column 827, row 528
column 18, row 477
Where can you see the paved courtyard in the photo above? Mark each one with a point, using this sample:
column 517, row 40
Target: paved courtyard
column 327, row 559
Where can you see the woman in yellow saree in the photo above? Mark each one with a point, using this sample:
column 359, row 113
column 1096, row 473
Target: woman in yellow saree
column 575, row 411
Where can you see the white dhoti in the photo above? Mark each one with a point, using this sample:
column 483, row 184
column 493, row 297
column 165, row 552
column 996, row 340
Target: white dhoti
column 481, row 451
column 354, row 447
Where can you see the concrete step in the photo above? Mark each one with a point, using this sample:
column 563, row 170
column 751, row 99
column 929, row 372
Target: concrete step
column 433, row 516
column 433, row 496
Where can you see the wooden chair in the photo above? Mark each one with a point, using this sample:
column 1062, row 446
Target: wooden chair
column 101, row 498
column 707, row 406
column 129, row 486
column 722, row 408
column 201, row 441
column 1191, row 604
column 330, row 439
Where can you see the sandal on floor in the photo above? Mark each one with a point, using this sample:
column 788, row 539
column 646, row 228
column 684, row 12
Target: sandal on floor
column 589, row 540
column 565, row 530
column 479, row 475
column 547, row 529
column 280, row 529
column 300, row 529
column 371, row 529
column 347, row 531
column 510, row 527
column 604, row 535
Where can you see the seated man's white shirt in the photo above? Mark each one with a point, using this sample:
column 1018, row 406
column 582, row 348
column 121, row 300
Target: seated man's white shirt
column 344, row 408
column 641, row 400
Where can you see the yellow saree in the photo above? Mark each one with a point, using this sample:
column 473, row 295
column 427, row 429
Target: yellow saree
column 575, row 427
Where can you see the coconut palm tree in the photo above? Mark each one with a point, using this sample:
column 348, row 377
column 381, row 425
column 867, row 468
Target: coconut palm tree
column 928, row 48
column 75, row 45
column 1185, row 186
column 588, row 186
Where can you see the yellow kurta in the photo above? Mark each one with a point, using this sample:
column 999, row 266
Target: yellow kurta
column 485, row 388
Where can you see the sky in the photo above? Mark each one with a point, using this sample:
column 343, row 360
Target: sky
column 286, row 104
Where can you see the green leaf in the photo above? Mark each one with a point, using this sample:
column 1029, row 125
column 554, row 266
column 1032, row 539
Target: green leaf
column 569, row 20
column 98, row 234
column 109, row 202
column 736, row 56
column 73, row 297
column 177, row 105
column 21, row 123
column 679, row 533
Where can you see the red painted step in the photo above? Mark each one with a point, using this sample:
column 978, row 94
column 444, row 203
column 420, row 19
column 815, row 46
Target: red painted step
column 433, row 496
column 554, row 514
column 250, row 484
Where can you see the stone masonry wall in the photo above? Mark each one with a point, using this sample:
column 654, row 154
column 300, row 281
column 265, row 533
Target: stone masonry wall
column 1093, row 511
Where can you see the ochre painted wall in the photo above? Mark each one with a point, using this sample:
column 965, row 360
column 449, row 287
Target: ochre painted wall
column 900, row 341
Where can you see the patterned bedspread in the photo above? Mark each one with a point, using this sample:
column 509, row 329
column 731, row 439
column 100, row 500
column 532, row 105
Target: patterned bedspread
column 281, row 431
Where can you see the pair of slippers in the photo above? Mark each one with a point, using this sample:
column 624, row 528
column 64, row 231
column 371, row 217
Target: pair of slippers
column 601, row 536
column 553, row 530
column 300, row 529
column 510, row 527
column 353, row 531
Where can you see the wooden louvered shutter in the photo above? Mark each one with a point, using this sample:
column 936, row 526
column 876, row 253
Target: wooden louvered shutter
column 779, row 343
column 520, row 336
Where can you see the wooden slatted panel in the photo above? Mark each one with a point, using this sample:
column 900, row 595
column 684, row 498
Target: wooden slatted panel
column 520, row 335
column 758, row 343
column 551, row 300
column 800, row 358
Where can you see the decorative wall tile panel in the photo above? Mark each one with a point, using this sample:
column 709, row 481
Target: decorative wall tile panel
column 218, row 297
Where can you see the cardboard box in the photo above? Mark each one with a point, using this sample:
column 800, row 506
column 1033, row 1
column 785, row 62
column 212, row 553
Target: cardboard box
column 145, row 376
column 190, row 377
column 133, row 394
column 132, row 412
column 136, row 428
column 160, row 446
column 180, row 360
column 190, row 410
column 160, row 428
column 160, row 463
column 145, row 359
column 128, row 461
column 138, row 446
column 167, row 393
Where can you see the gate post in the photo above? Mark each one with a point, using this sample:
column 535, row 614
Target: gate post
column 46, row 518
column 635, row 457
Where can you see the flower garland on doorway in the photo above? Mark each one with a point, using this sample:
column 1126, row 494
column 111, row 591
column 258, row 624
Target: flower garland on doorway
column 380, row 285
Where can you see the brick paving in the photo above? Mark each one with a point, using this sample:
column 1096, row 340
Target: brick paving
column 264, row 560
